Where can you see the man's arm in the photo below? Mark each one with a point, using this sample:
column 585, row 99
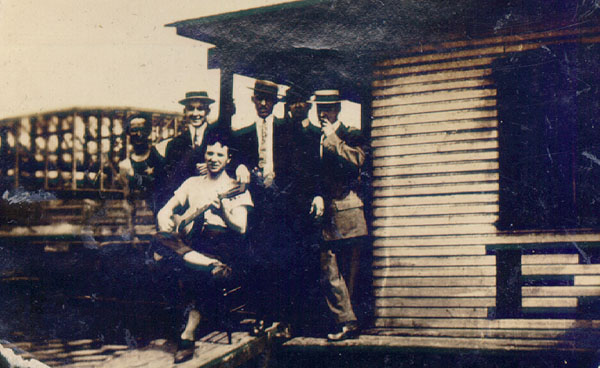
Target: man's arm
column 244, row 159
column 236, row 218
column 165, row 215
column 350, row 150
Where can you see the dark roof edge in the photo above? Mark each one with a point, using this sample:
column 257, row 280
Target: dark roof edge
column 244, row 13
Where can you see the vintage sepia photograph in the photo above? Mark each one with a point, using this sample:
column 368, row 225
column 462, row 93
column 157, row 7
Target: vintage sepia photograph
column 308, row 183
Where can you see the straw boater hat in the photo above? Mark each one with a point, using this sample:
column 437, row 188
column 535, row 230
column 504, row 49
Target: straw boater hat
column 267, row 87
column 196, row 96
column 326, row 96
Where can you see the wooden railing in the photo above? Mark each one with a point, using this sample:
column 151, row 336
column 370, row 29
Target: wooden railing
column 71, row 153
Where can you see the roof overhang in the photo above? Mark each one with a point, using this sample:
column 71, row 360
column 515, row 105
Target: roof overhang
column 321, row 37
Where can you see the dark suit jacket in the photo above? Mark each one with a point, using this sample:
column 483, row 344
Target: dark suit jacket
column 295, row 156
column 303, row 168
column 281, row 210
column 181, row 158
column 246, row 144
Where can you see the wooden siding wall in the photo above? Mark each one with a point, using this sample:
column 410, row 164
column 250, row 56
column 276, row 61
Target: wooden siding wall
column 435, row 197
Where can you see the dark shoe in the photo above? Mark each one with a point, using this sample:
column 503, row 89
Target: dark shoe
column 185, row 351
column 348, row 331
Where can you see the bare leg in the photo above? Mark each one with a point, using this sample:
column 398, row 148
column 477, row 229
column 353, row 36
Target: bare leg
column 190, row 327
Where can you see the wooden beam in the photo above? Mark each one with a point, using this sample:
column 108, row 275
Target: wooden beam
column 553, row 302
column 430, row 67
column 484, row 218
column 434, row 302
column 439, row 147
column 434, row 107
column 567, row 269
column 546, row 259
column 437, row 116
column 431, row 312
column 509, row 323
column 435, row 271
column 391, row 343
column 436, row 210
column 470, row 156
column 444, row 76
column 450, row 281
column 396, row 90
column 441, row 199
column 455, row 292
column 471, row 250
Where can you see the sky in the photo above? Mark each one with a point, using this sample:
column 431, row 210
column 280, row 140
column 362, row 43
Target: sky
column 57, row 54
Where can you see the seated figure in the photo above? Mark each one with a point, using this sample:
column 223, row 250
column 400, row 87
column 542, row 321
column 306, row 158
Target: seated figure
column 203, row 225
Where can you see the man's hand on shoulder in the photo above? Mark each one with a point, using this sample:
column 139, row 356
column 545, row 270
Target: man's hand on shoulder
column 202, row 169
column 242, row 175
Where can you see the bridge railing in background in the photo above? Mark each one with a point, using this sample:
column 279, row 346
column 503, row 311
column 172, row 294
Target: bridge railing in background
column 72, row 153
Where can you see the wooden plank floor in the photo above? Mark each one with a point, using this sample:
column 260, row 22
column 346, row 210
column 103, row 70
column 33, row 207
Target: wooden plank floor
column 212, row 351
column 379, row 343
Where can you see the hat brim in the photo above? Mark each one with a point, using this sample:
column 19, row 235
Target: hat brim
column 277, row 95
column 186, row 101
column 287, row 100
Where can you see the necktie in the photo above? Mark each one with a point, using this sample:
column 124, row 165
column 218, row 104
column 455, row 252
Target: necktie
column 262, row 149
column 321, row 146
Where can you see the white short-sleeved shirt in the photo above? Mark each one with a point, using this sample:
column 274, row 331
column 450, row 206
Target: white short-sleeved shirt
column 195, row 191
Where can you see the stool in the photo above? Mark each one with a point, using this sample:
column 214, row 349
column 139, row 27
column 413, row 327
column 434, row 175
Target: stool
column 231, row 305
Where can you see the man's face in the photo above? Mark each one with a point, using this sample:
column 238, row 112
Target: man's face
column 196, row 112
column 264, row 103
column 216, row 157
column 138, row 132
column 299, row 110
column 328, row 112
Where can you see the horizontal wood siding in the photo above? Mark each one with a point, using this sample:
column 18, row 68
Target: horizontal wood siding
column 435, row 198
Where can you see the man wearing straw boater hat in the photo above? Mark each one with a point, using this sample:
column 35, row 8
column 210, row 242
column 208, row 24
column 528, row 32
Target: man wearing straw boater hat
column 344, row 225
column 184, row 155
column 264, row 147
column 187, row 149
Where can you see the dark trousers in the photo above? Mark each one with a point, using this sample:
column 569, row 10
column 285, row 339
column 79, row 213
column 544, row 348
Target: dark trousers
column 284, row 244
column 196, row 287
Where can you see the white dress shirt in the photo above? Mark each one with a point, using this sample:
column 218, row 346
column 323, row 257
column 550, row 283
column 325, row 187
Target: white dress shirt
column 265, row 145
column 197, row 134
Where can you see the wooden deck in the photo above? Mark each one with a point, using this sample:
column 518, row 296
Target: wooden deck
column 390, row 341
column 212, row 350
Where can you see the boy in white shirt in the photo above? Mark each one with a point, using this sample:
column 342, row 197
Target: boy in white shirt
column 208, row 235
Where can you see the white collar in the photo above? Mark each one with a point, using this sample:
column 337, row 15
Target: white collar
column 269, row 119
column 196, row 127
